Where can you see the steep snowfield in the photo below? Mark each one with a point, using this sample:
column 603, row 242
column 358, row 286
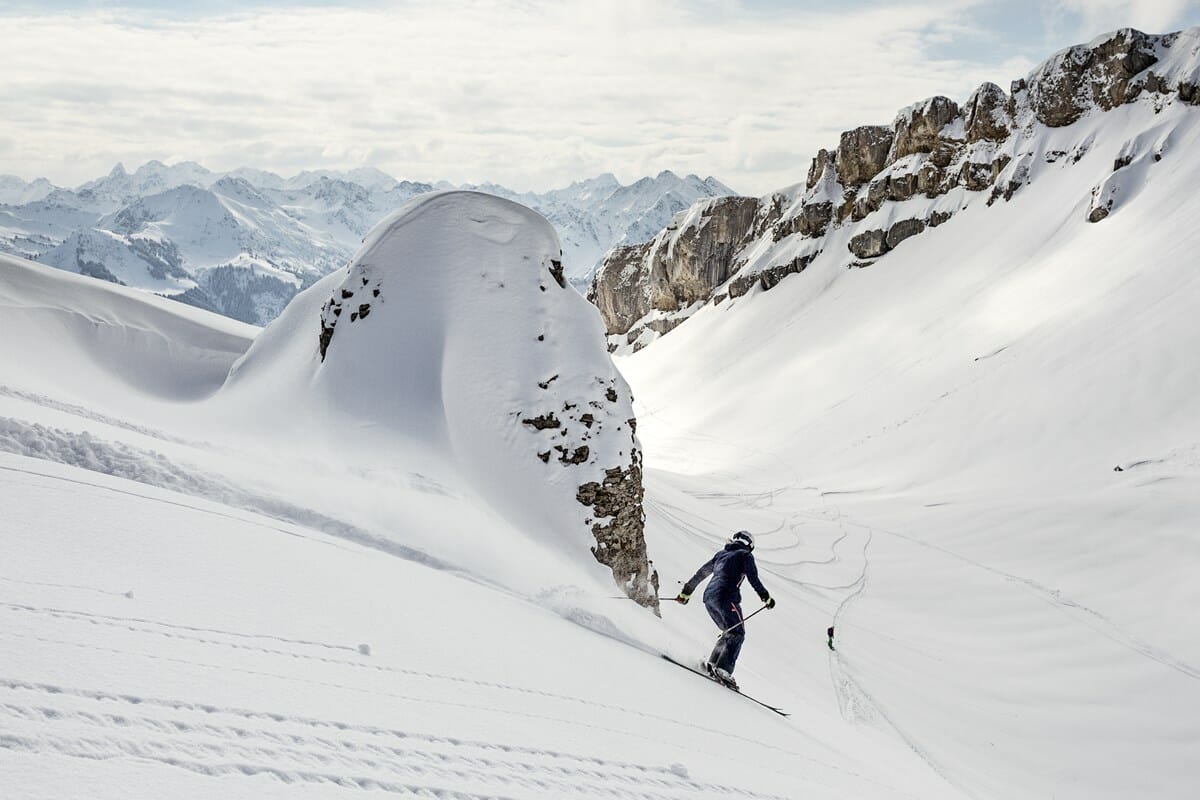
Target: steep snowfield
column 201, row 598
column 285, row 587
column 235, row 668
column 989, row 441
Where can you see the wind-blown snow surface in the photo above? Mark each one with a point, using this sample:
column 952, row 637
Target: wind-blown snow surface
column 195, row 605
column 981, row 456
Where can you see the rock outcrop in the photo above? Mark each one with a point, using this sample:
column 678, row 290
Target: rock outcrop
column 986, row 116
column 1099, row 75
column 917, row 128
column 863, row 153
column 903, row 230
column 869, row 244
column 679, row 267
column 935, row 152
column 454, row 331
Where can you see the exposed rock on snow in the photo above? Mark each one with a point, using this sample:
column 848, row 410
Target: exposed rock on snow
column 453, row 326
column 902, row 230
column 917, row 127
column 869, row 244
column 986, row 116
column 823, row 162
column 681, row 266
column 862, row 153
column 1091, row 76
column 620, row 543
column 936, row 158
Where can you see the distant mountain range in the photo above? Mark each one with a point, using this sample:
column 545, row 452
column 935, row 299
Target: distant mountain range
column 242, row 243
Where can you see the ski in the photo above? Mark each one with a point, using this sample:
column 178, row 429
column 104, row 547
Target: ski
column 705, row 675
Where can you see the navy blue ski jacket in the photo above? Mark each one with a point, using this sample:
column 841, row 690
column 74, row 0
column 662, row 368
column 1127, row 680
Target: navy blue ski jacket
column 728, row 568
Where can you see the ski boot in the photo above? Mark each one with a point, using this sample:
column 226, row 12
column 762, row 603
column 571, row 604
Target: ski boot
column 720, row 676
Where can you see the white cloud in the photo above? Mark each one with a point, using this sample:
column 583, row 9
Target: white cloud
column 1099, row 16
column 529, row 94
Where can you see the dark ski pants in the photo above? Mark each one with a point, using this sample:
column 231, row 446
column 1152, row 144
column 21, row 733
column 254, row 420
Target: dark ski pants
column 726, row 613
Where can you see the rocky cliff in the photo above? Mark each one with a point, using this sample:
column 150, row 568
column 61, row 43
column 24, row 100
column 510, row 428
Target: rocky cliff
column 883, row 184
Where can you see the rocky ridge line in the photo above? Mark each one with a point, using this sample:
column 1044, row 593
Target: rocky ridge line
column 934, row 150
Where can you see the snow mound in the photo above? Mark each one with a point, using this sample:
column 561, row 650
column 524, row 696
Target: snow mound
column 95, row 338
column 453, row 330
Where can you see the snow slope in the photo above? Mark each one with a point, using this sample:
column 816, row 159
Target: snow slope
column 89, row 340
column 199, row 598
column 158, row 645
column 988, row 441
column 444, row 340
column 259, row 591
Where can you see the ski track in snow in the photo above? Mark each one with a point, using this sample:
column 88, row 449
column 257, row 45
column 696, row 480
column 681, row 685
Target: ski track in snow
column 73, row 631
column 193, row 634
column 224, row 741
column 474, row 707
column 154, row 469
column 1077, row 611
column 855, row 703
column 85, row 413
column 79, row 587
column 149, row 625
column 1074, row 610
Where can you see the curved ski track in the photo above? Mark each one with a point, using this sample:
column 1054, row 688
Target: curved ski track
column 218, row 741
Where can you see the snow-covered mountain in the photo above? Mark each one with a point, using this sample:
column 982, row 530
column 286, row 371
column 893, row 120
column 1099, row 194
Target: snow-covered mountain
column 595, row 215
column 1104, row 118
column 328, row 558
column 453, row 331
column 348, row 565
column 244, row 242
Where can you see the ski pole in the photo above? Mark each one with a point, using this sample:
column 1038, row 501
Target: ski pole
column 743, row 622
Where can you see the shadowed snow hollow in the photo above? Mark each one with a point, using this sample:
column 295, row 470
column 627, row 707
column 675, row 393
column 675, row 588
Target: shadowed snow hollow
column 454, row 328
column 86, row 340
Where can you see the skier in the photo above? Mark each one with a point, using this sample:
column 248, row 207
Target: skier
column 723, row 599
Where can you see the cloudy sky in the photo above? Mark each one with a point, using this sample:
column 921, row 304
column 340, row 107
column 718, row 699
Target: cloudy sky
column 526, row 93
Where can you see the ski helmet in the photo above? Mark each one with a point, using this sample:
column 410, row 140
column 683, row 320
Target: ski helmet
column 744, row 537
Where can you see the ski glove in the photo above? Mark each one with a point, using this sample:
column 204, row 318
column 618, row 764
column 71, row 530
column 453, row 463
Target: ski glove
column 682, row 598
column 769, row 602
